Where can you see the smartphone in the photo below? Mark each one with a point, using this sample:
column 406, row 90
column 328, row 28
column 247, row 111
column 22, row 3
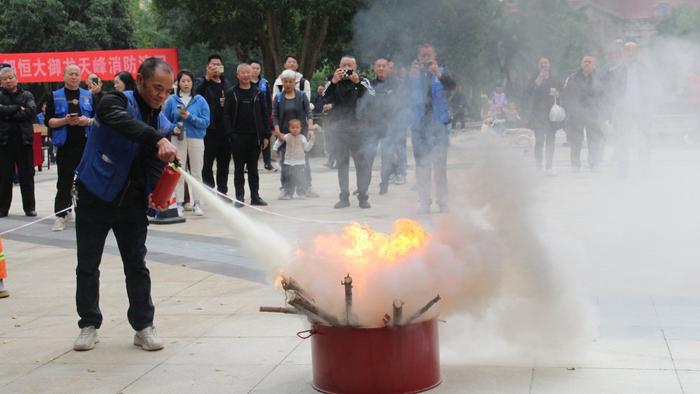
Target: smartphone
column 73, row 115
column 181, row 108
column 95, row 80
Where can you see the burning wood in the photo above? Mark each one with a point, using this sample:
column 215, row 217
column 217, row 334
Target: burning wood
column 307, row 307
column 350, row 319
column 386, row 319
column 278, row 309
column 424, row 309
column 288, row 283
column 398, row 312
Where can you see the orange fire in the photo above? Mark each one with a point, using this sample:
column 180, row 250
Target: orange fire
column 360, row 245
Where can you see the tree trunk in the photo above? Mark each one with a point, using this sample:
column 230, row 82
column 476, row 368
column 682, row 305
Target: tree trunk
column 303, row 61
column 310, row 66
column 271, row 46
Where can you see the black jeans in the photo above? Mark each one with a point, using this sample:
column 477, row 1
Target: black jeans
column 594, row 138
column 94, row 219
column 362, row 149
column 16, row 153
column 393, row 150
column 216, row 146
column 267, row 155
column 245, row 151
column 67, row 160
column 545, row 137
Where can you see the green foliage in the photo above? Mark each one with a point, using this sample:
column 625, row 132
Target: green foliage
column 684, row 21
column 65, row 25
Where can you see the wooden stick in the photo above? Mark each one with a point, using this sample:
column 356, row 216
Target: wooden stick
column 278, row 309
column 304, row 305
column 347, row 282
column 288, row 283
column 424, row 309
column 398, row 312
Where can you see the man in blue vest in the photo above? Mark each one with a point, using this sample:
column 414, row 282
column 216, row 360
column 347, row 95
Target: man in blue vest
column 429, row 134
column 69, row 115
column 123, row 158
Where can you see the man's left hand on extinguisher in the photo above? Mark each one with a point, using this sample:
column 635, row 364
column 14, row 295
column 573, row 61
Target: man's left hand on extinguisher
column 167, row 152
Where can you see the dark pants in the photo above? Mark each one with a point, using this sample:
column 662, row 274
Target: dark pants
column 545, row 138
column 67, row 160
column 11, row 155
column 216, row 147
column 594, row 138
column 362, row 149
column 267, row 155
column 295, row 179
column 245, row 151
column 94, row 219
column 430, row 145
column 393, row 151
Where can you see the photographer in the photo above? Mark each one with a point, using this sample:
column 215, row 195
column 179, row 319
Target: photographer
column 429, row 134
column 343, row 93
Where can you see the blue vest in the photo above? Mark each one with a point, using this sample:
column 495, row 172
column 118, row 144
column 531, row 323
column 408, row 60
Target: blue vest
column 60, row 105
column 106, row 162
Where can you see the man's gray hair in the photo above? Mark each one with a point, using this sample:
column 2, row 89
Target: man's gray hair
column 288, row 74
column 240, row 66
column 7, row 70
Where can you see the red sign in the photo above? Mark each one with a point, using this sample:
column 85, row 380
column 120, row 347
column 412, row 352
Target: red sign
column 48, row 66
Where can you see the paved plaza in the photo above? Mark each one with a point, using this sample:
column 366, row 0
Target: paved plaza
column 637, row 268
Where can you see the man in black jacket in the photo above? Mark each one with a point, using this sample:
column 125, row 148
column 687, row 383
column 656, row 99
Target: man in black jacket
column 216, row 142
column 583, row 95
column 248, row 122
column 17, row 111
column 343, row 93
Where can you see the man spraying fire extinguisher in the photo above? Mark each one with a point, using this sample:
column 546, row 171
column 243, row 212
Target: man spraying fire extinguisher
column 123, row 158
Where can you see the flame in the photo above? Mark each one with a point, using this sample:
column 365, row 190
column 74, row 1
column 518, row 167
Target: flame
column 359, row 245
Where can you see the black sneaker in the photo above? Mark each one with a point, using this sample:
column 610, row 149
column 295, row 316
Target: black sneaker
column 258, row 201
column 238, row 203
column 31, row 213
column 341, row 204
column 383, row 189
column 3, row 214
column 310, row 193
column 364, row 204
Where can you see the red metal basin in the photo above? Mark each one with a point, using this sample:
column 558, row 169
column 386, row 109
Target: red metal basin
column 396, row 359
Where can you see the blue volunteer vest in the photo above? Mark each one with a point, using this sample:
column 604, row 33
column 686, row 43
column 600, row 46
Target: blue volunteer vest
column 106, row 162
column 60, row 104
column 440, row 103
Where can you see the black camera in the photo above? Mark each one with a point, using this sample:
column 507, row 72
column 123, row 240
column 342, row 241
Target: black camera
column 426, row 64
column 348, row 73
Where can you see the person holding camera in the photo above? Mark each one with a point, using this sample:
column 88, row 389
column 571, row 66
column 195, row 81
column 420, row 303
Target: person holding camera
column 217, row 144
column 351, row 140
column 191, row 115
column 69, row 116
column 429, row 134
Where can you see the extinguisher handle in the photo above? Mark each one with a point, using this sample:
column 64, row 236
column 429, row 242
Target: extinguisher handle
column 176, row 163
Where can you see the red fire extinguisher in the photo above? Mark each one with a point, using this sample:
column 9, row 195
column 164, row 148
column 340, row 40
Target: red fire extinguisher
column 165, row 187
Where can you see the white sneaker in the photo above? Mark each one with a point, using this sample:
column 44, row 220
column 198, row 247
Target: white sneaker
column 70, row 217
column 148, row 339
column 59, row 224
column 197, row 209
column 188, row 207
column 180, row 210
column 87, row 339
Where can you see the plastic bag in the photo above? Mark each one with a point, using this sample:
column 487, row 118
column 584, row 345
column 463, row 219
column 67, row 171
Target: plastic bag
column 557, row 113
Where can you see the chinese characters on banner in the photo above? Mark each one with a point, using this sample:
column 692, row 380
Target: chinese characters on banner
column 48, row 66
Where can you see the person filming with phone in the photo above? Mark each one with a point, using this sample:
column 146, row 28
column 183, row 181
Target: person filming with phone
column 69, row 116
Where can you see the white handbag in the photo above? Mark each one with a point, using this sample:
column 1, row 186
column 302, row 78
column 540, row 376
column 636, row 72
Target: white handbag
column 557, row 113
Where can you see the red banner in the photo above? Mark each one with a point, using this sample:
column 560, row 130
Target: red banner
column 48, row 66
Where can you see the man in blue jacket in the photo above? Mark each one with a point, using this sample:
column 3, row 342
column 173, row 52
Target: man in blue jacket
column 123, row 158
column 429, row 133
column 69, row 115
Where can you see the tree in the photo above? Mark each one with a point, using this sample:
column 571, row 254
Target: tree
column 266, row 28
column 64, row 25
column 684, row 21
